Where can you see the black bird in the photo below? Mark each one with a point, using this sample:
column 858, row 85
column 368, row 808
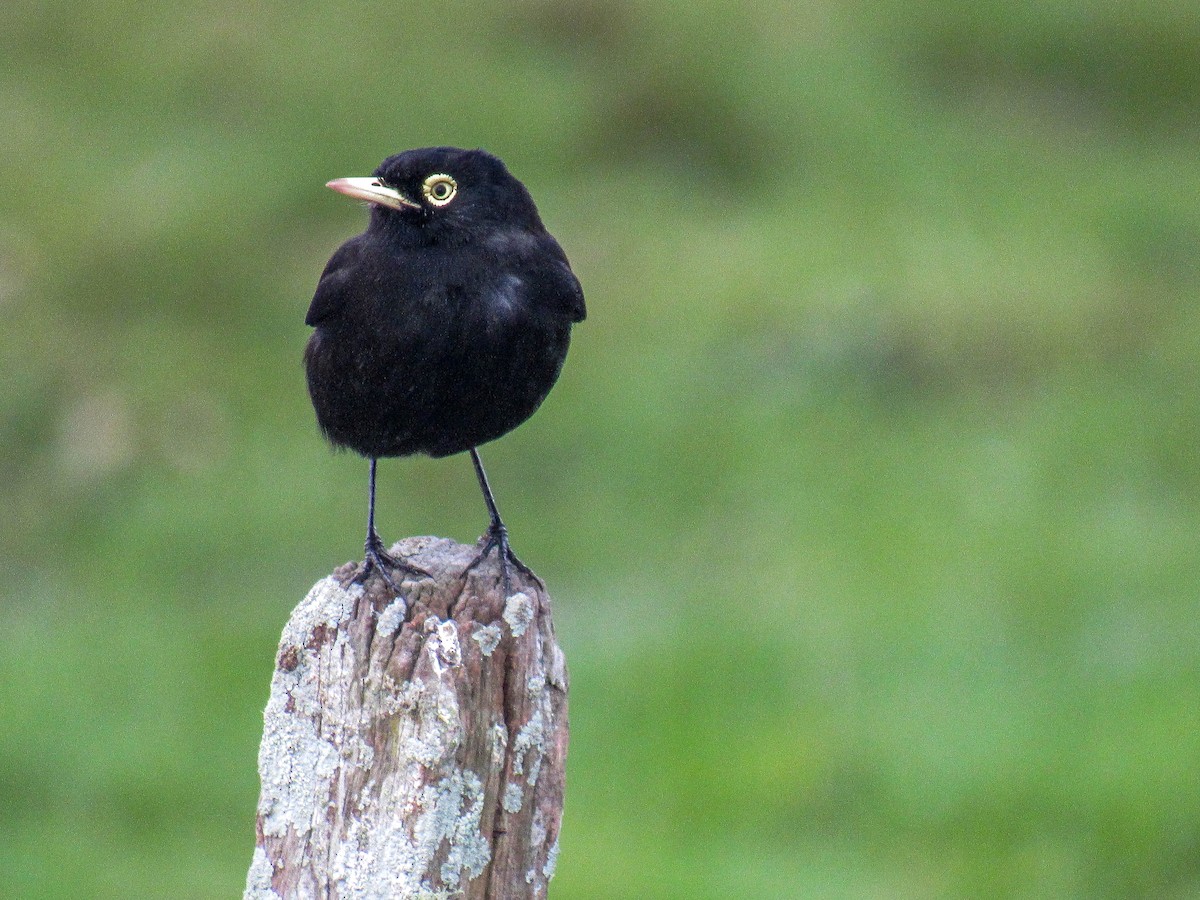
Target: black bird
column 442, row 326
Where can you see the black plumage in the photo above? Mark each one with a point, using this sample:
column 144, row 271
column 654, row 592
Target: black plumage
column 444, row 325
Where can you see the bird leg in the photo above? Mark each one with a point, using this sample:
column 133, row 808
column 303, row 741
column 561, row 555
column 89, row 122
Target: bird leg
column 496, row 536
column 375, row 557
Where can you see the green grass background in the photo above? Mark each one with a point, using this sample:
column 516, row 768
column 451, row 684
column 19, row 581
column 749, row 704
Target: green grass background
column 869, row 496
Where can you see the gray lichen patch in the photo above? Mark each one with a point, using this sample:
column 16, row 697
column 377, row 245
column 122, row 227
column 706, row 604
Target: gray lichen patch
column 558, row 668
column 518, row 613
column 398, row 840
column 468, row 853
column 487, row 637
column 499, row 743
column 537, row 838
column 551, row 860
column 531, row 739
column 512, row 798
column 432, row 730
column 258, row 879
column 297, row 757
column 299, row 762
column 391, row 618
column 325, row 608
column 534, row 684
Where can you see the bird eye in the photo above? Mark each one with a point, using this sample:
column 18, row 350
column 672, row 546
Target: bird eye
column 440, row 189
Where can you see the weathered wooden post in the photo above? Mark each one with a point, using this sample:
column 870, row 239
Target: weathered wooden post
column 414, row 748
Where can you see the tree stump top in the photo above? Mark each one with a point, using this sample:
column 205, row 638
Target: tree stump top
column 414, row 746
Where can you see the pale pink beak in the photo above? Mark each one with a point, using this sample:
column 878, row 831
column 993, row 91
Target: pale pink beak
column 373, row 191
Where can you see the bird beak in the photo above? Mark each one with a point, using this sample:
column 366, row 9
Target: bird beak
column 371, row 190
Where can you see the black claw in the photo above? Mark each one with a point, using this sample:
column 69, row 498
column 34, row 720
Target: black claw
column 497, row 537
column 377, row 559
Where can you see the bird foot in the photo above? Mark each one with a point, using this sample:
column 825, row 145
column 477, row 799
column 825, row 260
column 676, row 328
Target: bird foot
column 496, row 537
column 377, row 559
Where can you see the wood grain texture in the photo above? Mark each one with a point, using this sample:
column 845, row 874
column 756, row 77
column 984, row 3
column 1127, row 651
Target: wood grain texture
column 414, row 748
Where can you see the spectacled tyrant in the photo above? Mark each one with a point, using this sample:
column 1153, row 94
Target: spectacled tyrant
column 442, row 326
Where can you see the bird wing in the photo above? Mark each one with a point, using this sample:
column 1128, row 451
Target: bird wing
column 561, row 286
column 573, row 292
column 334, row 284
column 534, row 258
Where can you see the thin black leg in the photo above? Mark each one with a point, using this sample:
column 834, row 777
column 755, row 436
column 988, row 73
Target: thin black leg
column 375, row 556
column 496, row 535
column 372, row 534
column 487, row 489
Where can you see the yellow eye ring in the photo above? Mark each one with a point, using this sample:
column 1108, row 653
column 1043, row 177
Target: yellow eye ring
column 439, row 189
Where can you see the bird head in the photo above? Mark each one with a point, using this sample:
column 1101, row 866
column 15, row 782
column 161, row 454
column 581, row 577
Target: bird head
column 443, row 190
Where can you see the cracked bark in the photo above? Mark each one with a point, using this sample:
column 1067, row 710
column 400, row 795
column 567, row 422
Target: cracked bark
column 414, row 748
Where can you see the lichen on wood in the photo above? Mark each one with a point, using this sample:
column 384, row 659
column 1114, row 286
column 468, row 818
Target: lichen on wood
column 414, row 747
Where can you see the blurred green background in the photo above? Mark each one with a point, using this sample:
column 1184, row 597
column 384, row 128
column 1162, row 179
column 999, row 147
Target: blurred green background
column 868, row 498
